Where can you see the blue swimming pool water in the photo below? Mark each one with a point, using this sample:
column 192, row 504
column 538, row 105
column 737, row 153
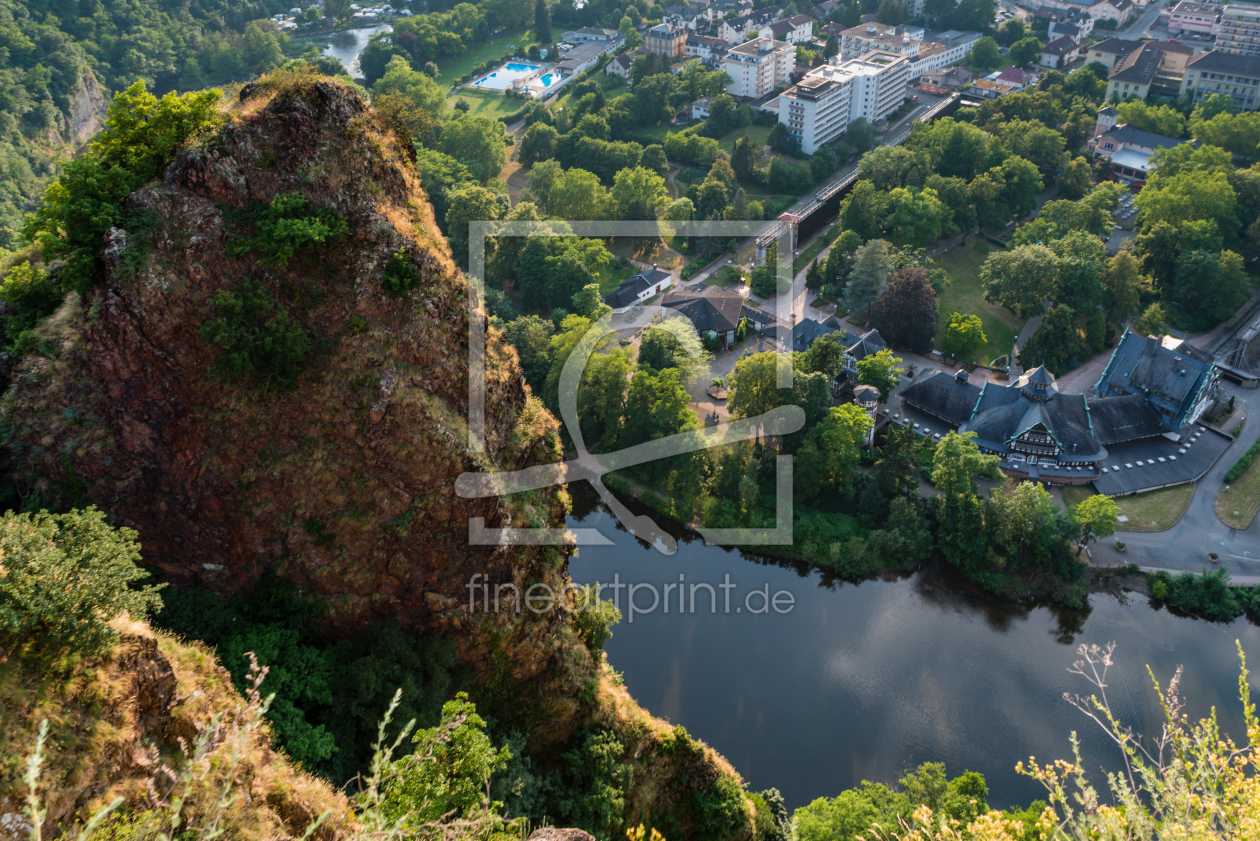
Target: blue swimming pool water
column 520, row 68
column 503, row 78
column 546, row 80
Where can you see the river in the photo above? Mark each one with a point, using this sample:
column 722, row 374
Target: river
column 857, row 682
column 347, row 45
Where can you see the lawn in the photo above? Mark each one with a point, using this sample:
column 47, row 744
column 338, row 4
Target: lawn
column 1149, row 511
column 488, row 103
column 647, row 135
column 495, row 47
column 966, row 295
column 808, row 255
column 759, row 134
column 1237, row 506
column 614, row 276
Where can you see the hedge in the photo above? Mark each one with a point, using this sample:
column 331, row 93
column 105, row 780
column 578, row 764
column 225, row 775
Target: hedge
column 1243, row 463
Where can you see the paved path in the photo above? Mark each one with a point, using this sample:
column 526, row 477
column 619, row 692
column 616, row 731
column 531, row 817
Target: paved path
column 1186, row 545
column 1142, row 28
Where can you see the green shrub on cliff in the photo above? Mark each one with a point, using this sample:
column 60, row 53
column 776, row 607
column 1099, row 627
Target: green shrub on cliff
column 33, row 294
column 142, row 134
column 594, row 617
column 286, row 227
column 257, row 335
column 63, row 577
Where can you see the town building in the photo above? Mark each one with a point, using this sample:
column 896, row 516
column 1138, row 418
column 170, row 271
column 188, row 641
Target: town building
column 638, row 289
column 758, row 67
column 1129, row 149
column 1060, row 52
column 857, row 347
column 795, row 30
column 622, row 64
column 1017, row 77
column 879, row 84
column 1239, row 29
column 860, row 40
column 1110, row 51
column 581, row 58
column 1137, row 434
column 942, row 49
column 819, row 108
column 946, row 80
column 1073, row 23
column 1237, row 76
column 989, row 89
column 741, row 29
column 666, row 39
column 589, row 34
column 707, row 48
column 718, row 9
column 712, row 310
column 1194, row 18
column 700, row 108
column 693, row 16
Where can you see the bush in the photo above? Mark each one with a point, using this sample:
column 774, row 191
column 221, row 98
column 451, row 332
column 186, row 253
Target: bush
column 33, row 293
column 1240, row 467
column 593, row 618
column 65, row 576
column 401, row 274
column 258, row 337
column 286, row 227
column 1208, row 595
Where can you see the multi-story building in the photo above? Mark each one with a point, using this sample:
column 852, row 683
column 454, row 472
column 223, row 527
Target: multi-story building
column 819, row 108
column 1059, row 52
column 1195, row 18
column 795, row 30
column 1237, row 76
column 942, row 49
column 706, row 48
column 741, row 29
column 667, row 39
column 1239, row 29
column 816, row 110
column 758, row 67
column 860, row 40
column 1074, row 24
column 693, row 16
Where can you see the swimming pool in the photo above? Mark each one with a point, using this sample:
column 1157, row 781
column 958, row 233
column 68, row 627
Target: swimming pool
column 503, row 78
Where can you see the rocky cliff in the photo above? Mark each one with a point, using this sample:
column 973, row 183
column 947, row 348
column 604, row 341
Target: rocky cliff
column 344, row 481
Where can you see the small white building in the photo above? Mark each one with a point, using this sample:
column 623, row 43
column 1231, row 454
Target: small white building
column 700, row 108
column 638, row 289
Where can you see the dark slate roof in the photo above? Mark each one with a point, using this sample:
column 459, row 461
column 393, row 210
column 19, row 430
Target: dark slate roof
column 1120, row 419
column 628, row 292
column 1059, row 46
column 943, row 396
column 1128, row 134
column 1138, row 66
column 709, row 308
column 807, row 331
column 1215, row 61
column 1064, row 416
column 1168, row 378
column 1116, row 46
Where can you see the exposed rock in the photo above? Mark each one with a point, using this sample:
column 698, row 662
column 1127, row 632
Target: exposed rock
column 550, row 833
column 344, row 483
column 87, row 107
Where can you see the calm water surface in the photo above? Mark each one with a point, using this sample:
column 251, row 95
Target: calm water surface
column 862, row 681
column 348, row 45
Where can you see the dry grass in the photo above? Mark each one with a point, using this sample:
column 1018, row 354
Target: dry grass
column 1237, row 505
column 1150, row 511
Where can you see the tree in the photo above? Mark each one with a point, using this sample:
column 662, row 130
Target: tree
column 653, row 158
column 1025, row 51
column 262, row 49
column 537, row 144
column 1095, row 517
column 1081, row 261
column 852, row 15
column 984, row 55
column 593, row 618
column 905, row 314
column 746, row 159
column 1163, row 120
column 660, row 349
column 871, row 266
column 754, row 385
column 577, row 194
column 1010, row 32
column 822, row 163
column 588, row 303
column 914, row 216
column 1211, row 286
column 862, row 210
column 880, row 370
column 1153, row 321
column 1020, row 279
column 531, row 336
column 65, row 577
column 639, row 194
column 781, row 140
column 964, row 335
column 1056, row 342
column 477, row 143
column 542, row 22
column 420, row 88
column 891, row 12
column 841, row 438
column 453, row 780
column 541, row 178
column 466, row 204
column 1022, row 184
column 861, row 135
column 956, row 463
column 832, row 47
column 1074, row 184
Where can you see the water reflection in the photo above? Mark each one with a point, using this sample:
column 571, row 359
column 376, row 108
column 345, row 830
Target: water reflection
column 863, row 680
column 347, row 45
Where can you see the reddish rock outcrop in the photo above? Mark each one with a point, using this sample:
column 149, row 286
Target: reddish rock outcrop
column 345, row 482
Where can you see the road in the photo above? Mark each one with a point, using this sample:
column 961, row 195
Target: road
column 1145, row 22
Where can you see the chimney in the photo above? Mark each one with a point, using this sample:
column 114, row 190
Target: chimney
column 961, row 376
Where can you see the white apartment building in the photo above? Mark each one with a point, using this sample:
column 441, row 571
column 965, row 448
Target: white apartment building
column 820, row 107
column 879, row 84
column 758, row 67
column 942, row 49
column 860, row 40
column 1196, row 18
column 1239, row 29
column 816, row 110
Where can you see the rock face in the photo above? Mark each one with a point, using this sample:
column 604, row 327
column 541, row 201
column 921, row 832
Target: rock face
column 343, row 482
column 87, row 107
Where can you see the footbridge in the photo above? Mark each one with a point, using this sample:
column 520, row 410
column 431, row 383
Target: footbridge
column 823, row 205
